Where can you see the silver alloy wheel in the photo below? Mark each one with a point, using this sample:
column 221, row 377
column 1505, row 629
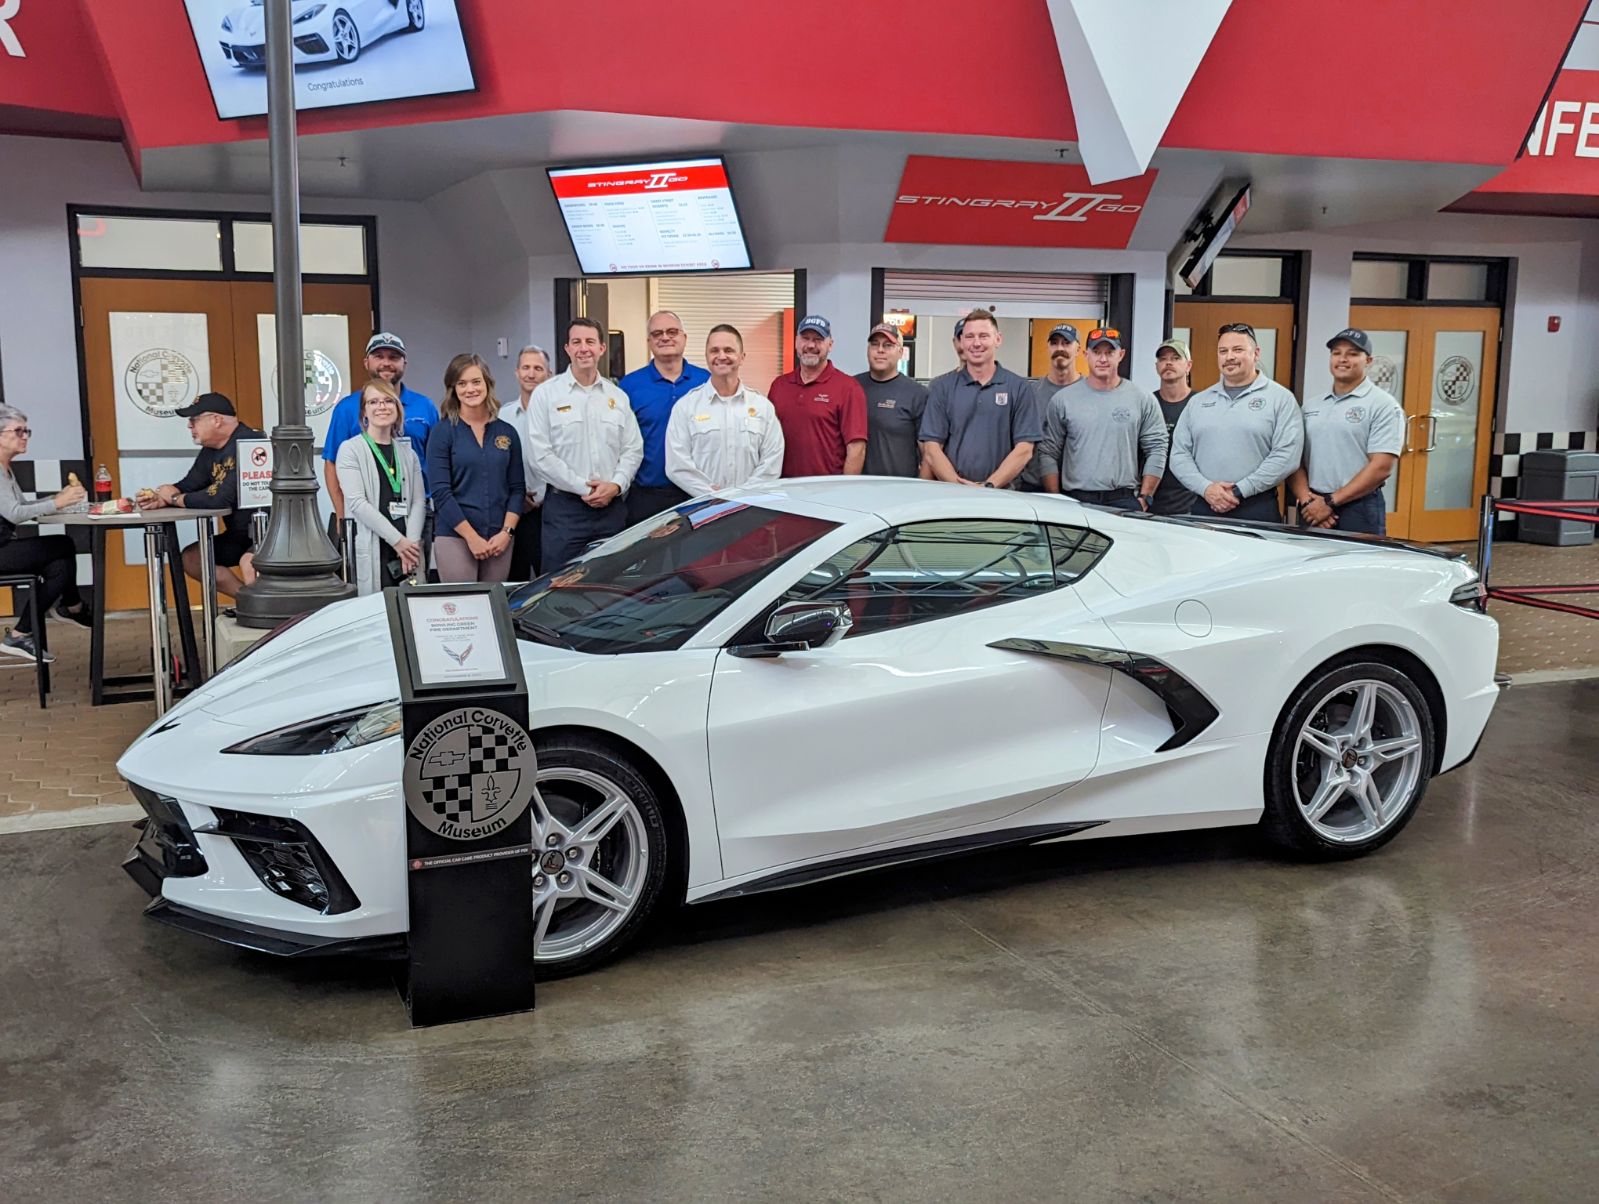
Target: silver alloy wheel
column 591, row 860
column 1357, row 762
column 417, row 13
column 346, row 38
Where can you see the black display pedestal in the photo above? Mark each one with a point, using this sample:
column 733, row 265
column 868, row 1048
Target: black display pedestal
column 469, row 779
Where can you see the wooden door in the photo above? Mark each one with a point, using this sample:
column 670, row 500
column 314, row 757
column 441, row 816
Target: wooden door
column 1038, row 364
column 1441, row 363
column 1196, row 323
column 149, row 345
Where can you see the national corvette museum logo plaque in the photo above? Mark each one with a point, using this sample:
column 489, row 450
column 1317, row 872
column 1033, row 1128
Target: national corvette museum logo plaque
column 161, row 380
column 469, row 774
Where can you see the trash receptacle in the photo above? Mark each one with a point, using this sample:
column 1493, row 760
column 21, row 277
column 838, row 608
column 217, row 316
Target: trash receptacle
column 1557, row 476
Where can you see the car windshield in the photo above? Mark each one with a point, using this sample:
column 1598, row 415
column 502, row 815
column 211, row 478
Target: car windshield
column 651, row 587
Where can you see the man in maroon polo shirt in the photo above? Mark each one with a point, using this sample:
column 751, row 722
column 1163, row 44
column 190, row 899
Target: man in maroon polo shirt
column 822, row 410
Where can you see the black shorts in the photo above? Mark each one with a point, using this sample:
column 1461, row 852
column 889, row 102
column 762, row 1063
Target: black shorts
column 230, row 547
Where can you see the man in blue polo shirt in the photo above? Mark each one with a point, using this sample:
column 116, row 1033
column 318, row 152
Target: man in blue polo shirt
column 652, row 391
column 385, row 359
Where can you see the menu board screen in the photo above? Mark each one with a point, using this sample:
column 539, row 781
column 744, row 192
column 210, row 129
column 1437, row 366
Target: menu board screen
column 677, row 215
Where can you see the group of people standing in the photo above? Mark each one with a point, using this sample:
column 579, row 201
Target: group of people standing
column 509, row 490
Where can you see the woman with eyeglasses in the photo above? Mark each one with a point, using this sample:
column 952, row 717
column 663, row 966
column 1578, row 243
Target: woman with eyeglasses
column 51, row 557
column 1240, row 438
column 380, row 476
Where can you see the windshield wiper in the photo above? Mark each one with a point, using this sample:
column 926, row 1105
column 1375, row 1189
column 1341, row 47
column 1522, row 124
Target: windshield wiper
column 541, row 633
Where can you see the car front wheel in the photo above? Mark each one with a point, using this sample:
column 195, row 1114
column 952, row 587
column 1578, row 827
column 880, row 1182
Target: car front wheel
column 1349, row 761
column 416, row 14
column 346, row 37
column 601, row 859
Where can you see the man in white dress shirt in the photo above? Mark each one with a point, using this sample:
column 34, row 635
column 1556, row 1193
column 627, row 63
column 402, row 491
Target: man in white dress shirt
column 723, row 435
column 585, row 445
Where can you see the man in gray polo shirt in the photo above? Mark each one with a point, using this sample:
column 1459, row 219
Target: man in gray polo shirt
column 1240, row 438
column 1353, row 437
column 1064, row 346
column 982, row 421
column 1096, row 431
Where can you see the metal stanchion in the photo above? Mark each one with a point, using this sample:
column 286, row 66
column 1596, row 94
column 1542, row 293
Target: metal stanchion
column 1485, row 539
column 160, row 649
column 208, row 593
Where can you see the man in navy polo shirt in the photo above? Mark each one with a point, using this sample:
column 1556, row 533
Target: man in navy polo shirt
column 385, row 359
column 652, row 391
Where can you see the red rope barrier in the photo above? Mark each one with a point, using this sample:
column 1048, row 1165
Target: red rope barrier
column 1589, row 588
column 1584, row 612
column 1534, row 508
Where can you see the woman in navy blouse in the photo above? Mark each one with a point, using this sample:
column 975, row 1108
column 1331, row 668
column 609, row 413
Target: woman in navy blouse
column 475, row 471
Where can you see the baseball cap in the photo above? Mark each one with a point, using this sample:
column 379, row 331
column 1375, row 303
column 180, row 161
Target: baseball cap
column 207, row 403
column 887, row 331
column 384, row 339
column 960, row 325
column 1104, row 334
column 817, row 323
column 1353, row 335
column 1064, row 331
column 1177, row 345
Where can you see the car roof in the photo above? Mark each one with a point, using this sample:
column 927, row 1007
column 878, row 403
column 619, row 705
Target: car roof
column 895, row 499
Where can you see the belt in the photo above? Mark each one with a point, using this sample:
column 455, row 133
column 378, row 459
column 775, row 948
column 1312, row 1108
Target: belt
column 1100, row 495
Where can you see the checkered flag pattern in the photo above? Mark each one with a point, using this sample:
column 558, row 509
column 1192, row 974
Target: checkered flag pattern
column 488, row 751
column 154, row 392
column 451, row 797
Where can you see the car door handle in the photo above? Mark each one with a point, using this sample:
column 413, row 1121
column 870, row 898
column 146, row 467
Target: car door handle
column 1409, row 446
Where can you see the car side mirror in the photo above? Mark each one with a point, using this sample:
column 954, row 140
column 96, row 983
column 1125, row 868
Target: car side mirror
column 799, row 626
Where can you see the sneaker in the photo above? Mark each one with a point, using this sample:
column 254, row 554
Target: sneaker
column 20, row 645
column 83, row 616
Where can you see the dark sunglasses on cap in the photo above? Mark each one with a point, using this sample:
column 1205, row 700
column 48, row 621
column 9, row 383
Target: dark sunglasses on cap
column 1236, row 328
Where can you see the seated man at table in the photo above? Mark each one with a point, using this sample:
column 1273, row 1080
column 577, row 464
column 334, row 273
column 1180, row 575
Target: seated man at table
column 212, row 484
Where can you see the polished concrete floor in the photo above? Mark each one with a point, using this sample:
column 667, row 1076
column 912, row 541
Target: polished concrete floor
column 1183, row 1018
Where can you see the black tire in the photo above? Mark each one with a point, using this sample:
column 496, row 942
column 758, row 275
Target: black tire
column 1296, row 769
column 415, row 14
column 585, row 757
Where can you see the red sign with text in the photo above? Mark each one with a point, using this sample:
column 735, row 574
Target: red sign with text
column 991, row 203
column 653, row 178
column 1562, row 152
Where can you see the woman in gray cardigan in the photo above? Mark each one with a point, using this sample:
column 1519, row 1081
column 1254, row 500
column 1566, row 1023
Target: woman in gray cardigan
column 51, row 557
column 382, row 481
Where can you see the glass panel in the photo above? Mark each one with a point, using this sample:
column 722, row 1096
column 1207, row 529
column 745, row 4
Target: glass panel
column 327, row 369
column 1185, row 334
column 325, row 250
column 1246, row 276
column 160, row 362
column 1456, row 396
column 158, row 243
column 1388, row 373
column 1267, row 338
column 1380, row 278
column 1457, row 282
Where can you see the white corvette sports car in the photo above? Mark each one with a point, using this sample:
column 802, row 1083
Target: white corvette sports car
column 325, row 31
column 766, row 689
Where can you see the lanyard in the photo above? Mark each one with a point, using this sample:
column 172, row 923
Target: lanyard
column 396, row 478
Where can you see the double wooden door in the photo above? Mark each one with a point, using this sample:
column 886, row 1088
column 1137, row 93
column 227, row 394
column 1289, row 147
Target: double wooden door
column 1441, row 363
column 152, row 345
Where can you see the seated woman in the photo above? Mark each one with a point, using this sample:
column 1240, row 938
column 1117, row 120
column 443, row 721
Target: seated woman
column 51, row 557
column 381, row 477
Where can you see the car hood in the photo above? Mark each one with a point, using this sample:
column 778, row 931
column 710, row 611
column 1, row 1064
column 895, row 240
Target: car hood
column 338, row 659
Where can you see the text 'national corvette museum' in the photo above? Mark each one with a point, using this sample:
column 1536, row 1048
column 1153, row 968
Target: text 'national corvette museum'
column 857, row 603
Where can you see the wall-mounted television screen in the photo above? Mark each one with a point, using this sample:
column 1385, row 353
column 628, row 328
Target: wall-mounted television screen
column 676, row 215
column 347, row 52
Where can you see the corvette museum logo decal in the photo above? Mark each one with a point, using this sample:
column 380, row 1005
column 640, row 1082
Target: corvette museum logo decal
column 469, row 774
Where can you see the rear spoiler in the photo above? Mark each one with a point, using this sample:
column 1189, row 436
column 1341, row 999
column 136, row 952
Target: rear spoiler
column 1257, row 529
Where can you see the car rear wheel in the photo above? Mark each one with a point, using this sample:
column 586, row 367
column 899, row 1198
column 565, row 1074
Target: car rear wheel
column 1349, row 761
column 601, row 859
column 346, row 38
column 416, row 12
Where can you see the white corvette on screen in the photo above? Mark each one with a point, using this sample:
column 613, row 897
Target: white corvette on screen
column 325, row 31
column 770, row 688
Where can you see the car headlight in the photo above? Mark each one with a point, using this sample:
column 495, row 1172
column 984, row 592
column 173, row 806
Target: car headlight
column 310, row 14
column 328, row 734
column 1472, row 595
column 227, row 24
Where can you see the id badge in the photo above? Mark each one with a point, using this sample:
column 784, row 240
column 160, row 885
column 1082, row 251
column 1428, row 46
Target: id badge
column 397, row 510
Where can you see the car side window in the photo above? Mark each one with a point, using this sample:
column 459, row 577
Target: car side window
column 1074, row 550
column 932, row 570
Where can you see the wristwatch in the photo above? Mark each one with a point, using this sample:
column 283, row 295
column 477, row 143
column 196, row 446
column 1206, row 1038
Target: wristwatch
column 1238, row 493
column 989, row 485
column 1147, row 498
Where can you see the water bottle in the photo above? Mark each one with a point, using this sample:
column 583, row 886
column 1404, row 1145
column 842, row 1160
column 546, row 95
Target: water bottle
column 102, row 485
